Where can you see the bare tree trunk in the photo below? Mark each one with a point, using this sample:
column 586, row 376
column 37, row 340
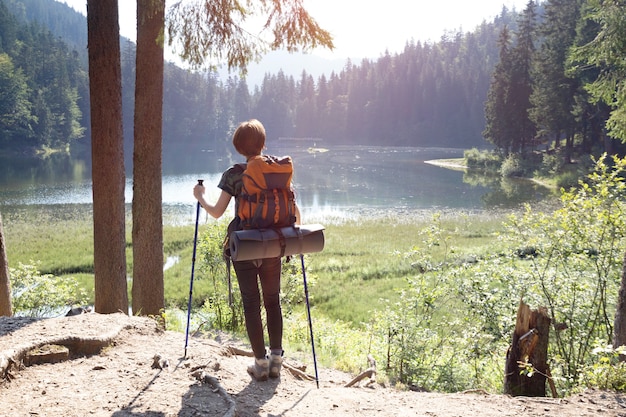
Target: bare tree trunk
column 6, row 308
column 528, row 348
column 619, row 325
column 148, row 291
column 107, row 154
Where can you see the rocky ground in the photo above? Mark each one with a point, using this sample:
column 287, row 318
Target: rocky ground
column 104, row 365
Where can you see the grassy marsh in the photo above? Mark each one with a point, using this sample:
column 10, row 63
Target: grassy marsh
column 363, row 261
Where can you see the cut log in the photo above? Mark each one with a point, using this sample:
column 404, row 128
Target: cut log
column 528, row 350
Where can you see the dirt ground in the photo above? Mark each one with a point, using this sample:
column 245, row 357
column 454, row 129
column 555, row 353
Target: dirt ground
column 111, row 370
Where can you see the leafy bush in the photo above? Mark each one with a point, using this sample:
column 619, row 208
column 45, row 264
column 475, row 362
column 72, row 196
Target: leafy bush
column 580, row 249
column 512, row 166
column 608, row 372
column 39, row 295
column 431, row 315
column 567, row 180
column 483, row 160
column 552, row 162
column 464, row 308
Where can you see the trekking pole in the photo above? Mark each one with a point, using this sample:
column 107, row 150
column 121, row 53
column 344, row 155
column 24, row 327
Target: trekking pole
column 193, row 265
column 308, row 311
column 231, row 301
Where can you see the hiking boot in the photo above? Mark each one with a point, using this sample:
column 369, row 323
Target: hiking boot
column 276, row 363
column 260, row 369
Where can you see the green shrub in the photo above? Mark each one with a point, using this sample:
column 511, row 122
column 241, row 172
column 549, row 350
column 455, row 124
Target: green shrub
column 552, row 162
column 607, row 372
column 566, row 260
column 442, row 310
column 482, row 160
column 37, row 295
column 579, row 253
column 567, row 180
column 512, row 166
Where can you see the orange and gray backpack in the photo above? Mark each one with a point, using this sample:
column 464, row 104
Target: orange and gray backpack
column 267, row 199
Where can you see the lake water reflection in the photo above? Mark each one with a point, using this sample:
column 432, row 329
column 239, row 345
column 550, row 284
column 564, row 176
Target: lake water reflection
column 339, row 179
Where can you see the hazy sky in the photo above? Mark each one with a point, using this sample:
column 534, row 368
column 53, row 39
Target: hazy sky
column 366, row 28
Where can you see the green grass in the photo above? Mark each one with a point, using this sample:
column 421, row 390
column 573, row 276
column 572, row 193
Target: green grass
column 464, row 315
column 363, row 262
column 363, row 266
column 61, row 240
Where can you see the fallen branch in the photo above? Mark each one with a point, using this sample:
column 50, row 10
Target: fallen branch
column 235, row 351
column 297, row 372
column 368, row 373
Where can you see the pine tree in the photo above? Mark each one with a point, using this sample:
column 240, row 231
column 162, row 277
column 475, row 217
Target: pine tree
column 553, row 96
column 148, row 290
column 522, row 128
column 497, row 128
column 109, row 178
column 589, row 116
column 606, row 51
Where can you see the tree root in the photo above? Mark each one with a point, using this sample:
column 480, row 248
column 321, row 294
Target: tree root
column 14, row 359
column 5, row 368
column 205, row 378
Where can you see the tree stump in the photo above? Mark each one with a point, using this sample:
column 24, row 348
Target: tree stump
column 528, row 350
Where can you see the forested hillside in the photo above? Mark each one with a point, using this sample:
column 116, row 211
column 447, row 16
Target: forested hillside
column 42, row 87
column 541, row 96
column 431, row 94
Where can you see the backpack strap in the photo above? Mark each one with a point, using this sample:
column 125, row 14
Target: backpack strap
column 253, row 221
column 281, row 241
column 291, row 206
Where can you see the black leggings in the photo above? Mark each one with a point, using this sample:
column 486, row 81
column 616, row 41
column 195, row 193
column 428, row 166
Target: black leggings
column 268, row 273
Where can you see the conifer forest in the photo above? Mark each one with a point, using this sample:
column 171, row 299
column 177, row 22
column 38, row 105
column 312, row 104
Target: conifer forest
column 512, row 84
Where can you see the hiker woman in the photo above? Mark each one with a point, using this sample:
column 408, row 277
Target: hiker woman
column 249, row 141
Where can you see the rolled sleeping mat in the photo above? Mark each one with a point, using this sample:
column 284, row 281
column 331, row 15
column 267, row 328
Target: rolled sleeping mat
column 266, row 243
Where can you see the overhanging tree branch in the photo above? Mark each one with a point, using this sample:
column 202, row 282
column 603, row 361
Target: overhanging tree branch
column 203, row 32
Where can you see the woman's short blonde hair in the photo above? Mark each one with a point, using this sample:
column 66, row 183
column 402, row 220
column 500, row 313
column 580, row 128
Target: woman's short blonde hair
column 249, row 138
